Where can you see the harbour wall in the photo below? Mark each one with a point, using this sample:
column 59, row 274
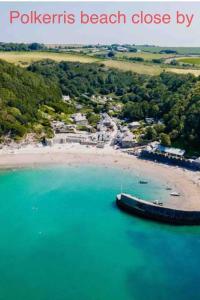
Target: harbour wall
column 158, row 213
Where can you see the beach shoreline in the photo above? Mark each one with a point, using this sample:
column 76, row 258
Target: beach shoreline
column 186, row 182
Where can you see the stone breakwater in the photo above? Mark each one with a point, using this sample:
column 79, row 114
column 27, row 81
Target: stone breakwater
column 156, row 212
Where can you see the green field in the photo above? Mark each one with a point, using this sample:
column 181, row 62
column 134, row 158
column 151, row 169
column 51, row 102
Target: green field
column 180, row 50
column 140, row 68
column 195, row 72
column 149, row 69
column 190, row 60
column 145, row 55
column 26, row 58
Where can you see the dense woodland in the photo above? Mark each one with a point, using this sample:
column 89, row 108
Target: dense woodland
column 21, row 95
column 172, row 100
column 21, row 47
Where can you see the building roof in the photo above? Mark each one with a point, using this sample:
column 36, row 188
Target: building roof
column 127, row 136
column 149, row 120
column 66, row 97
column 123, row 49
column 78, row 117
column 134, row 124
column 170, row 150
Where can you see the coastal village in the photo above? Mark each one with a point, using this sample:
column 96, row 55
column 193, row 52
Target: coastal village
column 110, row 132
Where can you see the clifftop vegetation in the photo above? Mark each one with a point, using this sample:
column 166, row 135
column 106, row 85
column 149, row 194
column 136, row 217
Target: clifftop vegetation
column 21, row 47
column 22, row 93
column 172, row 100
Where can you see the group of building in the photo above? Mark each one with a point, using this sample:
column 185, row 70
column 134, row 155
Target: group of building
column 100, row 99
column 66, row 133
column 170, row 155
column 69, row 133
column 124, row 138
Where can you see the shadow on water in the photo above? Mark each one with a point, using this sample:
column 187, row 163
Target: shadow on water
column 154, row 283
column 165, row 276
column 167, row 264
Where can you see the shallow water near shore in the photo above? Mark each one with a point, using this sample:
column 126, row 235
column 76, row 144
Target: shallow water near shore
column 62, row 237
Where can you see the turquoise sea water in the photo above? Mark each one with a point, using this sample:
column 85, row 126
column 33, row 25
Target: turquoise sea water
column 63, row 238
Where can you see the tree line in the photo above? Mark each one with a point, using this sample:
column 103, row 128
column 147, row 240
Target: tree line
column 172, row 100
column 22, row 47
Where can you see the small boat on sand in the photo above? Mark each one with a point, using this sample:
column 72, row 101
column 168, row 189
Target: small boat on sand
column 158, row 202
column 175, row 194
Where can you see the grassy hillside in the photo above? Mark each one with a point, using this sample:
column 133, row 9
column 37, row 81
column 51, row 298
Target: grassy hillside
column 195, row 72
column 190, row 60
column 145, row 55
column 23, row 58
column 139, row 68
column 180, row 50
column 149, row 69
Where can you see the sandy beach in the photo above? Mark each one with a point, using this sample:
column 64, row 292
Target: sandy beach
column 187, row 183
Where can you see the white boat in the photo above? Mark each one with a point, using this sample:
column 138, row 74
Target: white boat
column 175, row 194
column 158, row 202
